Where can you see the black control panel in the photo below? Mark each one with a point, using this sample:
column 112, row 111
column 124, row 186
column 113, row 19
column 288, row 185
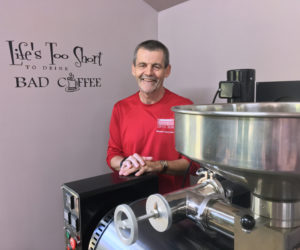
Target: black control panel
column 86, row 201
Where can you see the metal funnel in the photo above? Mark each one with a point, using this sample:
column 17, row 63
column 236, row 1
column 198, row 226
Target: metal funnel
column 254, row 144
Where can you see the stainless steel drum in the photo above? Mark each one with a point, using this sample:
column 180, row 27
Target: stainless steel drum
column 255, row 144
column 183, row 235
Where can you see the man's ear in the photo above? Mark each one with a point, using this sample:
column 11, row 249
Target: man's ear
column 168, row 71
column 133, row 69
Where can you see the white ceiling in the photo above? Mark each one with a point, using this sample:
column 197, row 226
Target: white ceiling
column 163, row 4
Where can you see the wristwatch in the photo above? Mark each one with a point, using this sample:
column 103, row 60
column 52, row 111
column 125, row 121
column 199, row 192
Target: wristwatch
column 165, row 166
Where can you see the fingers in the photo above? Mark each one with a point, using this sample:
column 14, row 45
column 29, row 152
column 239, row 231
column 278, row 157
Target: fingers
column 128, row 171
column 150, row 166
column 136, row 160
column 125, row 166
column 147, row 158
column 132, row 164
column 141, row 159
column 135, row 164
column 141, row 171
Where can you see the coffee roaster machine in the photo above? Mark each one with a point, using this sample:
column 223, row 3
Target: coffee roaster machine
column 86, row 202
column 255, row 146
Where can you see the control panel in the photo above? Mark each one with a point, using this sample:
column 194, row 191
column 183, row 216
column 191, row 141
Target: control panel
column 71, row 219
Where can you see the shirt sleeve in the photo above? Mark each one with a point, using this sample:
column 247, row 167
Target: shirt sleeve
column 114, row 143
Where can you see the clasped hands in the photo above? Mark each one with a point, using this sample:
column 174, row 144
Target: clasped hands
column 139, row 165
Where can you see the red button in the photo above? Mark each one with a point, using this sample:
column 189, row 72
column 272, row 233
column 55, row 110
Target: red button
column 68, row 247
column 73, row 243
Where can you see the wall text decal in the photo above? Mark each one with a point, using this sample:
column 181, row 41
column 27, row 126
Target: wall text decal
column 49, row 57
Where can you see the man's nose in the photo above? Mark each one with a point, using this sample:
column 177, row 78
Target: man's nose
column 148, row 70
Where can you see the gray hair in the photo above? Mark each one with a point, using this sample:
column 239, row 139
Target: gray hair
column 153, row 45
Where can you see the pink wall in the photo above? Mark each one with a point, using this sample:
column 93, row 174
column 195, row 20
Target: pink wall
column 49, row 136
column 207, row 38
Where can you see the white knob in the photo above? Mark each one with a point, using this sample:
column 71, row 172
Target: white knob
column 158, row 213
column 163, row 220
column 127, row 228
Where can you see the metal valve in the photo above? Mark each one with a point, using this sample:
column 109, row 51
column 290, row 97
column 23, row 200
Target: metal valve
column 158, row 213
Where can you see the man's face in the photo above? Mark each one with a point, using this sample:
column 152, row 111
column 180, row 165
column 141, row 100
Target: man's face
column 149, row 70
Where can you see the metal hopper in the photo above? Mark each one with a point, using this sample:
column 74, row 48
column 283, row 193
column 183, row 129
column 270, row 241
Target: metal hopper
column 254, row 144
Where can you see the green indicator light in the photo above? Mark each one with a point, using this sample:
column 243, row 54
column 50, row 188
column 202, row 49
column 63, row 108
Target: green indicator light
column 68, row 234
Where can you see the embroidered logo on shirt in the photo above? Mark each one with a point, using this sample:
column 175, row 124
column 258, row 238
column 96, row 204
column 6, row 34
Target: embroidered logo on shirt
column 165, row 126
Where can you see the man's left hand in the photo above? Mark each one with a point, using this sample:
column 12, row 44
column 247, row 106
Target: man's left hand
column 149, row 166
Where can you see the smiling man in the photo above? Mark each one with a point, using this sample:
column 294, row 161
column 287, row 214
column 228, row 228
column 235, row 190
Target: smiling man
column 142, row 129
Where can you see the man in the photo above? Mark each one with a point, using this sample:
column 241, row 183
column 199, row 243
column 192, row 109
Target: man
column 142, row 125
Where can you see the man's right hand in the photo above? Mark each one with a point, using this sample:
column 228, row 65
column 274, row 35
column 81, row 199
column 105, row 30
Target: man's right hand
column 133, row 163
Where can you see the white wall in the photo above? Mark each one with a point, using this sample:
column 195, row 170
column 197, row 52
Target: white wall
column 207, row 38
column 49, row 136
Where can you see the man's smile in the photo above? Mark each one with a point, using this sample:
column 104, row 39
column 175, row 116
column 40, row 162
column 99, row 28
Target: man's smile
column 149, row 79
